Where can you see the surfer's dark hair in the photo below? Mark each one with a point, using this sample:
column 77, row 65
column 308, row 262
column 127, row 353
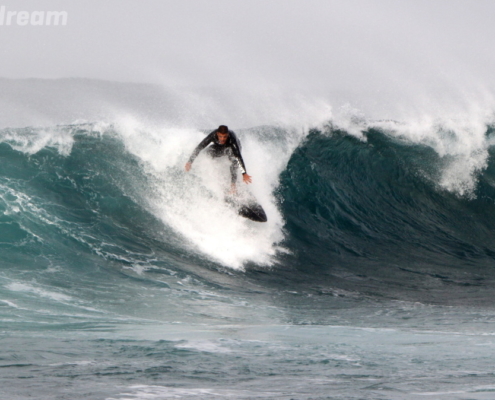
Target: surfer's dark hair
column 223, row 129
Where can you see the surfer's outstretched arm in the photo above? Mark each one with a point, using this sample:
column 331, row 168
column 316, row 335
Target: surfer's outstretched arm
column 233, row 175
column 205, row 142
column 238, row 157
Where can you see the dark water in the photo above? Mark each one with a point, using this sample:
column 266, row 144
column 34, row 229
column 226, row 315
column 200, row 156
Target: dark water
column 123, row 277
column 371, row 217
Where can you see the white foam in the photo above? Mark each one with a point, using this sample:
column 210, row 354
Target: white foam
column 458, row 137
column 206, row 346
column 33, row 140
column 23, row 287
column 10, row 304
column 73, row 363
column 139, row 268
column 446, row 393
column 141, row 392
column 192, row 203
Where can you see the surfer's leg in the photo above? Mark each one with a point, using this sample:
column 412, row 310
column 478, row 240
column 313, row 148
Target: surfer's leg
column 233, row 167
column 233, row 173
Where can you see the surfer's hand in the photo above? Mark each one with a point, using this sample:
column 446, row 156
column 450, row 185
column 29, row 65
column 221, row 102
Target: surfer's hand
column 188, row 166
column 246, row 178
column 233, row 190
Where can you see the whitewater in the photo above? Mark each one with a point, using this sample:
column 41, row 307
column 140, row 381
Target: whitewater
column 124, row 277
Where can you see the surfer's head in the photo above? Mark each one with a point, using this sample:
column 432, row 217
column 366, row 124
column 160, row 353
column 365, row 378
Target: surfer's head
column 222, row 134
column 223, row 129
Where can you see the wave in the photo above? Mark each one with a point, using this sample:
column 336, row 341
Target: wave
column 100, row 186
column 378, row 211
column 355, row 206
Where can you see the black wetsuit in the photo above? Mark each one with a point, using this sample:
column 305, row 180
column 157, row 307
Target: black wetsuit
column 231, row 149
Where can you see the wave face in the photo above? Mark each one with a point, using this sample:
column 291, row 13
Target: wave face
column 134, row 274
column 378, row 213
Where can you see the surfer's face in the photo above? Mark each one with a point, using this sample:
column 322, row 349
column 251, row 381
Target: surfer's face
column 222, row 137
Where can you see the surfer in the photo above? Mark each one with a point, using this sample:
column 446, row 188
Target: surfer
column 223, row 143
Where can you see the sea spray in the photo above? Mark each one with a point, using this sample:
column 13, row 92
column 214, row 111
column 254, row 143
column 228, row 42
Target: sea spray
column 193, row 203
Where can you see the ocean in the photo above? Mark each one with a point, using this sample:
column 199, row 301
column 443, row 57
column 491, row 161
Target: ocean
column 124, row 277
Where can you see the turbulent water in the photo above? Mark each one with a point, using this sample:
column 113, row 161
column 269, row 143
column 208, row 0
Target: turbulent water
column 124, row 277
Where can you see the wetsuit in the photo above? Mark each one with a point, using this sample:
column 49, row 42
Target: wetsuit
column 231, row 149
